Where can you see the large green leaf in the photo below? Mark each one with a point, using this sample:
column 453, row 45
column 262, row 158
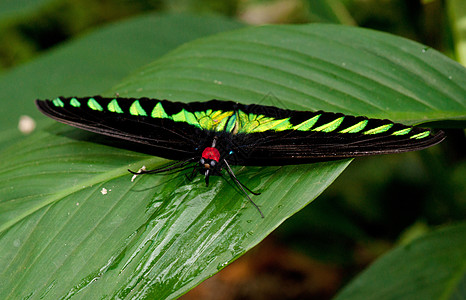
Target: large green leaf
column 431, row 267
column 162, row 235
column 328, row 67
column 99, row 60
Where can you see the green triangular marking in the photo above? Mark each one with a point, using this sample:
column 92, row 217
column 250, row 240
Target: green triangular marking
column 58, row 103
column 306, row 125
column 94, row 105
column 402, row 131
column 114, row 107
column 179, row 117
column 276, row 125
column 330, row 126
column 379, row 129
column 74, row 102
column 188, row 117
column 159, row 112
column 420, row 135
column 136, row 109
column 356, row 127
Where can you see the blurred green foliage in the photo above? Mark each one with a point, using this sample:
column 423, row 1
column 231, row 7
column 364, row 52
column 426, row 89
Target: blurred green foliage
column 25, row 32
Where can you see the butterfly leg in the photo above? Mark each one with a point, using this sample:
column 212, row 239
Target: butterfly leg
column 193, row 173
column 242, row 187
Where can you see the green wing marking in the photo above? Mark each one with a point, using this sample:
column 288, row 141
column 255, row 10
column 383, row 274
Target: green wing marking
column 58, row 103
column 234, row 121
column 330, row 126
column 74, row 102
column 307, row 125
column 185, row 116
column 212, row 120
column 250, row 123
column 159, row 112
column 421, row 135
column 94, row 105
column 356, row 127
column 136, row 109
column 231, row 123
column 379, row 129
column 114, row 107
column 402, row 131
column 209, row 120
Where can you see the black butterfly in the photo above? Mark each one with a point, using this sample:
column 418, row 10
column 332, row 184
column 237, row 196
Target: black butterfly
column 215, row 134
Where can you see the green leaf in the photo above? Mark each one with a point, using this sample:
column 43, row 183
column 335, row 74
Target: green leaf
column 73, row 223
column 99, row 60
column 327, row 67
column 431, row 267
column 161, row 234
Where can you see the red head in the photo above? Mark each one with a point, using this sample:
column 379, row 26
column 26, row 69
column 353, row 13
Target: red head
column 209, row 161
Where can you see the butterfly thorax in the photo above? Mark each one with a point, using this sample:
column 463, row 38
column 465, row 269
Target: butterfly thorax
column 210, row 158
column 209, row 162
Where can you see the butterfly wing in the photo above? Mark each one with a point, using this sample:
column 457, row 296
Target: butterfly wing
column 143, row 121
column 280, row 137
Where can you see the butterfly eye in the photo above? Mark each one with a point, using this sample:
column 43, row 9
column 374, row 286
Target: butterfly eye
column 202, row 161
column 213, row 163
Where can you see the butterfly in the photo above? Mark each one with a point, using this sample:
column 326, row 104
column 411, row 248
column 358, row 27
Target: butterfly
column 211, row 136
